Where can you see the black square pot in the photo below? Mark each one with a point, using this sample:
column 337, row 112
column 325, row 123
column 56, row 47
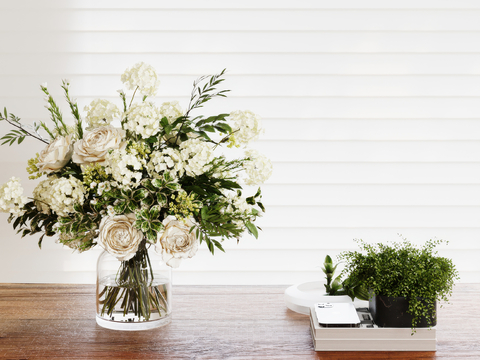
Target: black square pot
column 392, row 312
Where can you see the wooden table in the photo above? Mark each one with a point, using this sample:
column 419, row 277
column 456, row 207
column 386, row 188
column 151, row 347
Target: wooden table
column 209, row 322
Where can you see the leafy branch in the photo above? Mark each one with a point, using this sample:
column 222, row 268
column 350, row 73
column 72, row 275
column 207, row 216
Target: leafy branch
column 55, row 113
column 20, row 134
column 201, row 95
column 74, row 108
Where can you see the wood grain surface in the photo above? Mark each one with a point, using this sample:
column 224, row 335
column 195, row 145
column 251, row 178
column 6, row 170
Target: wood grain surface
column 47, row 321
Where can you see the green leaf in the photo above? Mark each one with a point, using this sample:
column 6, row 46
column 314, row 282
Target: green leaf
column 161, row 199
column 140, row 194
column 40, row 241
column 164, row 122
column 204, row 214
column 155, row 212
column 218, row 245
column 173, row 186
column 252, row 229
column 120, row 207
column 158, row 183
column 222, row 127
column 260, row 205
column 208, row 128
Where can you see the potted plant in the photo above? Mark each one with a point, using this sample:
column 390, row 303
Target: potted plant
column 405, row 282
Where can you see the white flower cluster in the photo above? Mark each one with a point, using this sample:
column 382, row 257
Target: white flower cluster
column 143, row 76
column 236, row 204
column 167, row 160
column 258, row 169
column 143, row 119
column 11, row 197
column 125, row 167
column 171, row 110
column 196, row 154
column 100, row 112
column 59, row 195
column 245, row 126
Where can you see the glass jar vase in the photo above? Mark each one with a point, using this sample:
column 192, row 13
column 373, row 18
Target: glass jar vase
column 135, row 294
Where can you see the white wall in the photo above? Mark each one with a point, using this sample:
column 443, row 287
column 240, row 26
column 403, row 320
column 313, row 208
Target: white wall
column 371, row 110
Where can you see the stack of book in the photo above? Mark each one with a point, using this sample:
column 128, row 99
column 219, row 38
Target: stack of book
column 369, row 337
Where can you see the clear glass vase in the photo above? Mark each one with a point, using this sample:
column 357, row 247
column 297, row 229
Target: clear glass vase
column 134, row 294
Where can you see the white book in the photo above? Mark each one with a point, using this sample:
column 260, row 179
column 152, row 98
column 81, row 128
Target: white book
column 370, row 339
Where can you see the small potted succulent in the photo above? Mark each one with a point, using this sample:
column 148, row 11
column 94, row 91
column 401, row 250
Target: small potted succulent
column 337, row 287
column 301, row 297
column 405, row 282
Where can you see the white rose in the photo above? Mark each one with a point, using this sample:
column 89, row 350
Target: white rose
column 118, row 236
column 56, row 155
column 175, row 241
column 95, row 145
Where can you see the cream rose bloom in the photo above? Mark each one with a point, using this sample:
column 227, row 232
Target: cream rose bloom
column 94, row 146
column 176, row 242
column 56, row 155
column 118, row 236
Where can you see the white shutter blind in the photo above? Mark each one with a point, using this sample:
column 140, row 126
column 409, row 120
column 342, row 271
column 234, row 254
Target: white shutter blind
column 371, row 111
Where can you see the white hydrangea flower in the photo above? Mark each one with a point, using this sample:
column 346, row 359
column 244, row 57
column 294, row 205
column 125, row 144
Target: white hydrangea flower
column 11, row 197
column 258, row 169
column 118, row 163
column 143, row 119
column 100, row 112
column 236, row 204
column 167, row 160
column 59, row 195
column 245, row 126
column 143, row 76
column 196, row 154
column 171, row 110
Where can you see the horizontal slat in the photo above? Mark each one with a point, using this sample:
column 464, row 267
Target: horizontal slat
column 370, row 151
column 375, row 173
column 371, row 129
column 234, row 19
column 140, row 42
column 260, row 85
column 347, row 129
column 280, row 238
column 332, row 151
column 370, row 216
column 244, row 4
column 353, row 129
column 301, row 107
column 376, row 195
column 315, row 172
column 248, row 64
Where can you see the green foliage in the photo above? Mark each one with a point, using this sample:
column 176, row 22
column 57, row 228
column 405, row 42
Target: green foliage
column 32, row 222
column 402, row 270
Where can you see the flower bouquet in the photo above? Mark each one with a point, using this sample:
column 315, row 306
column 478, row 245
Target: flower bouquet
column 139, row 182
